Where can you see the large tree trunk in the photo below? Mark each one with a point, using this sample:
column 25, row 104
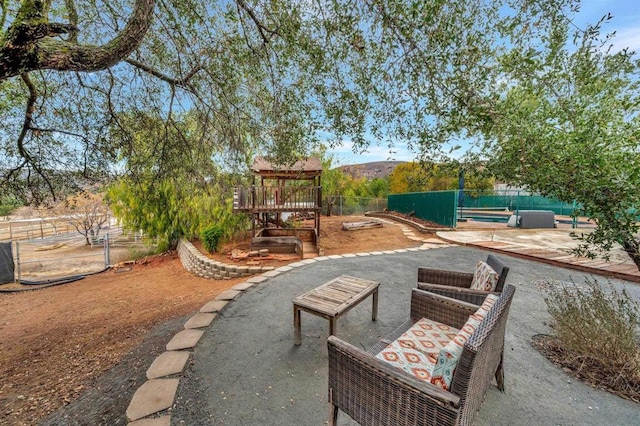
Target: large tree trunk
column 632, row 247
column 29, row 44
column 330, row 202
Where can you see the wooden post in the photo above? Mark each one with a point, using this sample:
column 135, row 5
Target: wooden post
column 318, row 209
column 297, row 326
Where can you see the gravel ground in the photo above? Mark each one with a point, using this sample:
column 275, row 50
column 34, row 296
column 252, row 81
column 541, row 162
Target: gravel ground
column 246, row 370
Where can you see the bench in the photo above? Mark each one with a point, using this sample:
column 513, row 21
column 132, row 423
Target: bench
column 372, row 390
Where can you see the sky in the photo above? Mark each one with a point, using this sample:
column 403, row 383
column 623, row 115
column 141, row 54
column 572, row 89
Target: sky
column 626, row 23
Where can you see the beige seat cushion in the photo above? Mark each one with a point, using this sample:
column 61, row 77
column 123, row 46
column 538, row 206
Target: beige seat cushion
column 416, row 351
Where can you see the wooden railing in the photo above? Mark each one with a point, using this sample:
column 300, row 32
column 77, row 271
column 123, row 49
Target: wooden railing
column 277, row 198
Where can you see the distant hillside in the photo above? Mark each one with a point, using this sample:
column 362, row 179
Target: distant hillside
column 376, row 169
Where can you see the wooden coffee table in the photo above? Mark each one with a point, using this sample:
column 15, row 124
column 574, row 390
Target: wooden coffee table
column 333, row 299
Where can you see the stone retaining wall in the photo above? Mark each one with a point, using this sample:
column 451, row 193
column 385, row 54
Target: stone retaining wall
column 202, row 266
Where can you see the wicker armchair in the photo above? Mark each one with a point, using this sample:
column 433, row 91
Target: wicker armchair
column 373, row 392
column 456, row 284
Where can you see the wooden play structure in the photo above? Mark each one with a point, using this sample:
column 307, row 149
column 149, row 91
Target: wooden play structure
column 282, row 192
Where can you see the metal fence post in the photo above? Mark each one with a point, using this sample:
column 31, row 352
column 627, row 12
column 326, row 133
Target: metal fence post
column 18, row 260
column 457, row 207
column 105, row 242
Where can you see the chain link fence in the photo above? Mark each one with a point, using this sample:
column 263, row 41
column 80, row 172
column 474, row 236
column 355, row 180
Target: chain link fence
column 341, row 205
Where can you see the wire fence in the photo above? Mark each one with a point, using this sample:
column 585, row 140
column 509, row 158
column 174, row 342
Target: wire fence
column 345, row 206
column 69, row 254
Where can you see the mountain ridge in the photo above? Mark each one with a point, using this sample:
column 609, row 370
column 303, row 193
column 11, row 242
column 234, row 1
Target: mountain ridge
column 371, row 170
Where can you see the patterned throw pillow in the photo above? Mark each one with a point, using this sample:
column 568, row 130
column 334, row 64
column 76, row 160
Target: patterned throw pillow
column 486, row 306
column 448, row 357
column 442, row 374
column 484, row 278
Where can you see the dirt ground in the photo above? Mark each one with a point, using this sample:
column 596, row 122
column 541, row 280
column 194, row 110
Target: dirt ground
column 76, row 353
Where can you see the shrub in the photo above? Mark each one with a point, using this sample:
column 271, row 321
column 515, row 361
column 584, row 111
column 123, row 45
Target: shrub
column 598, row 334
column 132, row 253
column 211, row 238
column 8, row 205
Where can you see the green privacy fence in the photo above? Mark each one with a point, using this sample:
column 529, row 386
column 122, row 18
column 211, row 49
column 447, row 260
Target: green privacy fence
column 513, row 200
column 442, row 206
column 436, row 206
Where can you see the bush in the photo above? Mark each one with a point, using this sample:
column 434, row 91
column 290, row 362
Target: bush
column 598, row 334
column 211, row 238
column 8, row 205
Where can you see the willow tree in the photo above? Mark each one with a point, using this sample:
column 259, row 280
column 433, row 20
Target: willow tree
column 271, row 77
column 569, row 127
column 194, row 192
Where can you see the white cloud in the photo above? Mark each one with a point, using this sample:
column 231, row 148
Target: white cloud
column 344, row 154
column 627, row 37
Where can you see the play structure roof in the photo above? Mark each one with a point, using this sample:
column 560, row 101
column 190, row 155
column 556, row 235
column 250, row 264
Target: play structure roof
column 311, row 166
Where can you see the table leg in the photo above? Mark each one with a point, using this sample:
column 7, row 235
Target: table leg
column 297, row 326
column 332, row 326
column 374, row 310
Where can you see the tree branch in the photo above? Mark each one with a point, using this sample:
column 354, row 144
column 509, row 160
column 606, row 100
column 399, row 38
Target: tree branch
column 73, row 19
column 180, row 82
column 28, row 116
column 20, row 55
column 26, row 126
column 3, row 16
column 262, row 28
column 64, row 132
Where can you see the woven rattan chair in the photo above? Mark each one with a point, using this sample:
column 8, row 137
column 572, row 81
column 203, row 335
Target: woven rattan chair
column 373, row 392
column 456, row 284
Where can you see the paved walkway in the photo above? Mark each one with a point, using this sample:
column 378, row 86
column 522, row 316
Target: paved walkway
column 235, row 363
column 545, row 245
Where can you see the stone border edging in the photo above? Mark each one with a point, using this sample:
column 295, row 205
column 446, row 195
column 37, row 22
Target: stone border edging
column 157, row 394
column 202, row 266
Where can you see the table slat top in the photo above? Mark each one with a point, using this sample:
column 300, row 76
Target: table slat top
column 337, row 295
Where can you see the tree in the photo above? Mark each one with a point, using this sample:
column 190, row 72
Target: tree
column 334, row 181
column 86, row 213
column 271, row 77
column 376, row 188
column 183, row 200
column 569, row 127
column 418, row 177
column 408, row 177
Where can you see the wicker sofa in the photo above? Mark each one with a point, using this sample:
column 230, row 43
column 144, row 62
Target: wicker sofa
column 373, row 392
column 456, row 284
